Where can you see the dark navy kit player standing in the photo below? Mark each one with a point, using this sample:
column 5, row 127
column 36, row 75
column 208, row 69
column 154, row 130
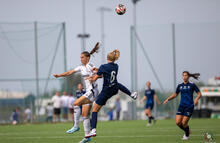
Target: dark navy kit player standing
column 149, row 97
column 186, row 106
column 110, row 87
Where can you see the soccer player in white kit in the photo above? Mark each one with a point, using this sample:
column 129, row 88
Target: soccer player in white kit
column 86, row 69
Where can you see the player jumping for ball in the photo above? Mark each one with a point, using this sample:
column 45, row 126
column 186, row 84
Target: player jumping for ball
column 86, row 100
column 187, row 104
column 110, row 87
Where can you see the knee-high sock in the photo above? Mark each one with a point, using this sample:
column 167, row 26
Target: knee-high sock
column 94, row 120
column 124, row 89
column 77, row 113
column 186, row 129
column 181, row 127
column 86, row 125
column 149, row 120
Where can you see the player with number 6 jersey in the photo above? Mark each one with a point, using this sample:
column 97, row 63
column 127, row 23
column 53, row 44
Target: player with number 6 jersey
column 110, row 87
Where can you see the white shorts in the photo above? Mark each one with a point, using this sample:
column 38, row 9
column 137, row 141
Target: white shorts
column 92, row 94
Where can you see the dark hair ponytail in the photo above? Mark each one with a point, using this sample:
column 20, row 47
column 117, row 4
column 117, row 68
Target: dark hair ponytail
column 94, row 50
column 194, row 75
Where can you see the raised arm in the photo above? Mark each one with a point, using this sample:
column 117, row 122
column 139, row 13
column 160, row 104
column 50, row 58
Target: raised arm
column 64, row 74
column 155, row 97
column 170, row 98
column 197, row 98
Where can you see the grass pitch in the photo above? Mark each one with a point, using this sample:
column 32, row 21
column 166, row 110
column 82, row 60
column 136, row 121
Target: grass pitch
column 164, row 131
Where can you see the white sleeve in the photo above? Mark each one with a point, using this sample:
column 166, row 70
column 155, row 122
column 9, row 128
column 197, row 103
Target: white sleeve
column 77, row 69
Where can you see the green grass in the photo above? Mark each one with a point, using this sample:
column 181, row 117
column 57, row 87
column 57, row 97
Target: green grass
column 165, row 131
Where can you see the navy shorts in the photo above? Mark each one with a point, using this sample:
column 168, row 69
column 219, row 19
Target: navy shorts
column 106, row 93
column 185, row 111
column 149, row 106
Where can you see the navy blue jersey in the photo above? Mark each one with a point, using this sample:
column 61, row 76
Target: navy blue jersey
column 80, row 93
column 187, row 91
column 109, row 72
column 149, row 93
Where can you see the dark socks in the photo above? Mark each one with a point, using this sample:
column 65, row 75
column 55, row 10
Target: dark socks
column 186, row 129
column 94, row 119
column 150, row 119
column 124, row 89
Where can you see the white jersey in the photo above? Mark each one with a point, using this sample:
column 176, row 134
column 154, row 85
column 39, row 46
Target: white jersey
column 87, row 71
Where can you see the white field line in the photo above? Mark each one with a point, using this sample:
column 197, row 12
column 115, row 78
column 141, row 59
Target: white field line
column 146, row 136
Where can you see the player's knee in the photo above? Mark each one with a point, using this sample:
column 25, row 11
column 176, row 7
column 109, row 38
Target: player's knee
column 178, row 123
column 184, row 123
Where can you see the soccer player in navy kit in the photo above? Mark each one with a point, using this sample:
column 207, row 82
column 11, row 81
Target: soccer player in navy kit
column 110, row 87
column 187, row 104
column 149, row 95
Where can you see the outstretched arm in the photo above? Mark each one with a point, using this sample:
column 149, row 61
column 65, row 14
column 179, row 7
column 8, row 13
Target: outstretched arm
column 170, row 98
column 158, row 101
column 197, row 98
column 64, row 74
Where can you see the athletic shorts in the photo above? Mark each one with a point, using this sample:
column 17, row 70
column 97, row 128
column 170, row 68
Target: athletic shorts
column 106, row 94
column 56, row 111
column 149, row 106
column 185, row 111
column 91, row 94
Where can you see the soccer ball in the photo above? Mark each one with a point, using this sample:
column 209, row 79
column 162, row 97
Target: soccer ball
column 120, row 9
column 14, row 122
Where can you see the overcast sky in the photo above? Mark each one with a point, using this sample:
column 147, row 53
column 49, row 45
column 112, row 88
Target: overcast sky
column 197, row 35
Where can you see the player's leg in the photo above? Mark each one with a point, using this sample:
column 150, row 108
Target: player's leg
column 86, row 122
column 95, row 111
column 186, row 127
column 148, row 112
column 127, row 91
column 77, row 112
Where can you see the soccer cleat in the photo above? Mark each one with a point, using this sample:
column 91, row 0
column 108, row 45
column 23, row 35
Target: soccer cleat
column 84, row 140
column 93, row 133
column 72, row 130
column 185, row 137
column 134, row 95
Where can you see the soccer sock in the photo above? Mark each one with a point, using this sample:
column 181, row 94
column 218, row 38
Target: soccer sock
column 186, row 129
column 181, row 127
column 76, row 116
column 86, row 125
column 124, row 89
column 149, row 120
column 94, row 119
column 152, row 117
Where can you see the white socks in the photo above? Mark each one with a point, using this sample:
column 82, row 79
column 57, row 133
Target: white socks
column 77, row 113
column 86, row 124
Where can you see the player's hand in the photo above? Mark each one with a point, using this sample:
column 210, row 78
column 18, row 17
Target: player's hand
column 195, row 102
column 95, row 69
column 56, row 75
column 165, row 102
column 90, row 78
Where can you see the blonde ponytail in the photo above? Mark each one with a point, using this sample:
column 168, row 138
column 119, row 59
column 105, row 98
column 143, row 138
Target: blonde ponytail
column 114, row 55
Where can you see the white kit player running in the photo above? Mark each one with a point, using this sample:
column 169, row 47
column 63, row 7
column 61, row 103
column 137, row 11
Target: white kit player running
column 86, row 100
